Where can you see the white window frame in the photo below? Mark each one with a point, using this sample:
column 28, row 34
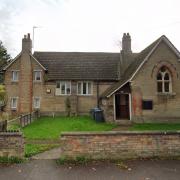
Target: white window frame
column 59, row 90
column 34, row 104
column 14, row 107
column 163, row 81
column 87, row 94
column 13, row 76
column 35, row 75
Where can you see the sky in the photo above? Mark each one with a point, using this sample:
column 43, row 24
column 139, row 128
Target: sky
column 87, row 25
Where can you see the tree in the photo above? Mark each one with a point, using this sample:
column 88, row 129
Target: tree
column 4, row 56
column 3, row 99
column 4, row 59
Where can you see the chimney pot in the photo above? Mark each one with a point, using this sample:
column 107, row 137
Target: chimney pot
column 126, row 43
column 28, row 35
column 27, row 44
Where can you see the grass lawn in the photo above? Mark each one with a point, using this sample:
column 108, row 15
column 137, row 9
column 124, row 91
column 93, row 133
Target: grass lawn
column 33, row 149
column 51, row 128
column 155, row 127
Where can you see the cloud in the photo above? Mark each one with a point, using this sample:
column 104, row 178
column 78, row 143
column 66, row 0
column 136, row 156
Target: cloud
column 8, row 9
column 87, row 25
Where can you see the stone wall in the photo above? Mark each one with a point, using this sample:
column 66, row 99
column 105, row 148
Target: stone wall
column 166, row 108
column 11, row 144
column 107, row 105
column 120, row 145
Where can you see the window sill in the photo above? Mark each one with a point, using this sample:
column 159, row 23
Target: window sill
column 37, row 81
column 14, row 82
column 166, row 94
column 62, row 94
column 84, row 94
column 13, row 109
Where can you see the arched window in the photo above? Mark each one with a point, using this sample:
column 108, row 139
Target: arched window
column 164, row 84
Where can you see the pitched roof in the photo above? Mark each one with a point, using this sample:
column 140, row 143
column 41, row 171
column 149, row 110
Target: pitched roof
column 137, row 64
column 79, row 65
column 11, row 62
column 17, row 57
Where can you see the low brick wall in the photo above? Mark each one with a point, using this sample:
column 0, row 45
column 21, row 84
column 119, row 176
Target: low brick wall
column 11, row 144
column 120, row 145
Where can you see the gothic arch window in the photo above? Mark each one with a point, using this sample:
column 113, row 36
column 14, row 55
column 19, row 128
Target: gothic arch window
column 164, row 80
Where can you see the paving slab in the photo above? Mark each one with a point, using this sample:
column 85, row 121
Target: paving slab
column 54, row 153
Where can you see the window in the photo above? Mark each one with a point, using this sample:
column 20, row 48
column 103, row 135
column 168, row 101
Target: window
column 14, row 101
column 164, row 84
column 63, row 88
column 15, row 76
column 84, row 88
column 147, row 104
column 37, row 75
column 36, row 102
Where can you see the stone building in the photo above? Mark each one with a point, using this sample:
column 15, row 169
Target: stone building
column 140, row 87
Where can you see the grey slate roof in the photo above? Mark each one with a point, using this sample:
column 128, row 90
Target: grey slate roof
column 79, row 65
column 95, row 65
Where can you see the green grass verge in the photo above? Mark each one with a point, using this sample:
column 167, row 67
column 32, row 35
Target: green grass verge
column 51, row 128
column 14, row 126
column 155, row 127
column 10, row 160
column 33, row 149
column 79, row 160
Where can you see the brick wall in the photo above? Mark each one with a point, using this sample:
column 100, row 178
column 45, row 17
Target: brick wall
column 11, row 144
column 122, row 145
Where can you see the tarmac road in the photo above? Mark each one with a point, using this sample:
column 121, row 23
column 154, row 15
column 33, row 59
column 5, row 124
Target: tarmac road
column 135, row 170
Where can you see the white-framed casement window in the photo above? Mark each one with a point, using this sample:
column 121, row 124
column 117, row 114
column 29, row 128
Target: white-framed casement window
column 37, row 75
column 14, row 102
column 85, row 88
column 63, row 88
column 15, row 75
column 37, row 102
column 164, row 81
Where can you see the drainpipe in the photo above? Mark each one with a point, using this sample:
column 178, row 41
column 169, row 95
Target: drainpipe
column 97, row 90
column 31, row 87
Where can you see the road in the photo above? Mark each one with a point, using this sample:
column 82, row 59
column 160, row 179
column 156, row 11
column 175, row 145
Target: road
column 135, row 170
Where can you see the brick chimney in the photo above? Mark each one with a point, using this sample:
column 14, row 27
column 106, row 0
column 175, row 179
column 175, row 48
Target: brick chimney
column 26, row 76
column 126, row 55
column 126, row 43
column 27, row 44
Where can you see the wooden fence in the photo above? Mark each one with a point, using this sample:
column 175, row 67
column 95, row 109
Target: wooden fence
column 3, row 126
column 28, row 118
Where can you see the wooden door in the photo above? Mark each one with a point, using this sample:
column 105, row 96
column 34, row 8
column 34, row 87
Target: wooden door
column 122, row 106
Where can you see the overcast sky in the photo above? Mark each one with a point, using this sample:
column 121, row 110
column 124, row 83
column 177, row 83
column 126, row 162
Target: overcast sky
column 88, row 25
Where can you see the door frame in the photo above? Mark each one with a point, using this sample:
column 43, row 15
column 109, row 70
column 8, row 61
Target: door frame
column 130, row 106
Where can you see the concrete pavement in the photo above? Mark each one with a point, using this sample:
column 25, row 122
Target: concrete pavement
column 49, row 170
